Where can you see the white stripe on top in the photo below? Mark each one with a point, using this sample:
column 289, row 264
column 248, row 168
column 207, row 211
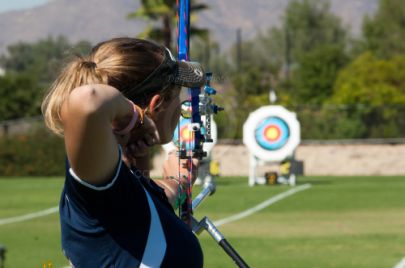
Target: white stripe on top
column 100, row 188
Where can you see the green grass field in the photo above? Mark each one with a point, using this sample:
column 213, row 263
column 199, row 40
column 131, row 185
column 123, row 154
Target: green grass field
column 338, row 222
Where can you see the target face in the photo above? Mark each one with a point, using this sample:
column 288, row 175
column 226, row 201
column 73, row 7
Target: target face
column 272, row 133
column 185, row 133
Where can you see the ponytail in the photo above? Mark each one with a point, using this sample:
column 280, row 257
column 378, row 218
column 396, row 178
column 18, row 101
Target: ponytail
column 80, row 71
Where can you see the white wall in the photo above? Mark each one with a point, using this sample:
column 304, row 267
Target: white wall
column 319, row 159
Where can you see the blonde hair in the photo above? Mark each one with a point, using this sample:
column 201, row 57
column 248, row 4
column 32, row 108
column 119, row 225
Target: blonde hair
column 120, row 62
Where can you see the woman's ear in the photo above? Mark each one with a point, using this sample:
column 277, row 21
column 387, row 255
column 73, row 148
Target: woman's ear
column 154, row 104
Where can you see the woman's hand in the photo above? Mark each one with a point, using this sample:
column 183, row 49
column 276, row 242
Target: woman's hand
column 174, row 167
column 137, row 142
column 177, row 171
column 142, row 138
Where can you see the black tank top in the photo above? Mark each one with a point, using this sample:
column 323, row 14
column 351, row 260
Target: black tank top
column 126, row 223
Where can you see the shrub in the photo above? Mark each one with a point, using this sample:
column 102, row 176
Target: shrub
column 38, row 153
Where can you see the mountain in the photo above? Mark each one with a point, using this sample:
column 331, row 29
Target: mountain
column 97, row 20
column 92, row 20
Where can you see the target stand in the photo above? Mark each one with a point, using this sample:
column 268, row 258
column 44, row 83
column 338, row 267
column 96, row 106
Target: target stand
column 271, row 133
column 183, row 130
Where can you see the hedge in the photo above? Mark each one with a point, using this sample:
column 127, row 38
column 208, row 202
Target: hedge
column 37, row 153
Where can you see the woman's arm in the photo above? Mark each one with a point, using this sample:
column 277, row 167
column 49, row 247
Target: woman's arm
column 87, row 116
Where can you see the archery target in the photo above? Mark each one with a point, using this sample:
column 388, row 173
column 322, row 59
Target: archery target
column 271, row 133
column 183, row 136
column 187, row 136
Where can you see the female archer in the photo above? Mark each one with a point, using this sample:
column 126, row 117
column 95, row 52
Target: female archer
column 111, row 107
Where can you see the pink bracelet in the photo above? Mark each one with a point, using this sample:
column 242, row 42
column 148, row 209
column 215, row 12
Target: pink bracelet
column 131, row 123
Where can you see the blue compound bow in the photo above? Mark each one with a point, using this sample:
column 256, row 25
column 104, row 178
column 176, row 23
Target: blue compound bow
column 199, row 104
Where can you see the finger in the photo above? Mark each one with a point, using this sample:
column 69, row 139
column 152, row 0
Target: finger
column 196, row 162
column 131, row 153
column 132, row 149
column 182, row 163
column 152, row 129
column 157, row 136
column 149, row 139
column 136, row 148
column 122, row 139
column 136, row 151
column 142, row 145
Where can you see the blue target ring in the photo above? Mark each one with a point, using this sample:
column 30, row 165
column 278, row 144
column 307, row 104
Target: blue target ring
column 272, row 133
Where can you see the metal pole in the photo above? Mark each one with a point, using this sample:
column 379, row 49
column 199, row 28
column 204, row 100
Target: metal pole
column 209, row 226
column 209, row 189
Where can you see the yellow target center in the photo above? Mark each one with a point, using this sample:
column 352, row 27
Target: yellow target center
column 272, row 133
column 186, row 133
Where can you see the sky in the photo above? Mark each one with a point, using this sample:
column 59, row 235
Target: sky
column 7, row 5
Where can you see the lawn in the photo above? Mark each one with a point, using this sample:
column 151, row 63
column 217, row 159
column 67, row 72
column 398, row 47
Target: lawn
column 338, row 222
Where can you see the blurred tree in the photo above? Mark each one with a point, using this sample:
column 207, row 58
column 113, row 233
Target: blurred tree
column 308, row 49
column 330, row 122
column 317, row 73
column 375, row 88
column 300, row 60
column 314, row 50
column 206, row 51
column 309, row 24
column 165, row 11
column 384, row 33
column 30, row 69
column 20, row 96
column 42, row 59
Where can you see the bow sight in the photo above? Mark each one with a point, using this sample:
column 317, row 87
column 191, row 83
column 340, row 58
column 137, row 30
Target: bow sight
column 200, row 128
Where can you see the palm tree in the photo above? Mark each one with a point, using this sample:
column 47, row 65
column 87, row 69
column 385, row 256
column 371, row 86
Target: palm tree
column 165, row 11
